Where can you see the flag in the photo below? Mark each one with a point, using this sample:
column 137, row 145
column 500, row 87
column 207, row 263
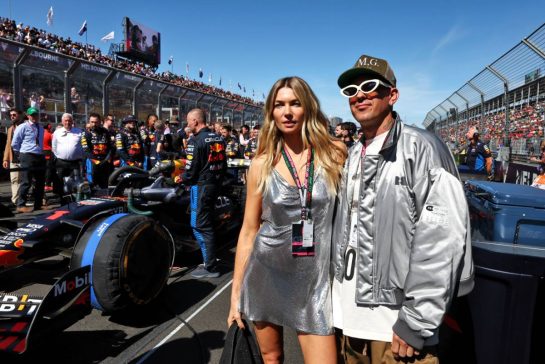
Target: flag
column 263, row 96
column 107, row 37
column 201, row 73
column 253, row 93
column 220, row 80
column 50, row 16
column 170, row 60
column 187, row 68
column 209, row 78
column 239, row 87
column 83, row 28
column 244, row 89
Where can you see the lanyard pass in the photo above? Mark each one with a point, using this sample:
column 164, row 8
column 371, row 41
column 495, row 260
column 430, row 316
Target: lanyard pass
column 308, row 233
column 305, row 190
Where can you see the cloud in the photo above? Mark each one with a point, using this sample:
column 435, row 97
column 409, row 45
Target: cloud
column 455, row 33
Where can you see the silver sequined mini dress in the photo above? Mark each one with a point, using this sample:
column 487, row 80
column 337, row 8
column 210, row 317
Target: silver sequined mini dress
column 278, row 287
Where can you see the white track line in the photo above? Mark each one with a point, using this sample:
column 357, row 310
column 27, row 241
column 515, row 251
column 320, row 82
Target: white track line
column 183, row 323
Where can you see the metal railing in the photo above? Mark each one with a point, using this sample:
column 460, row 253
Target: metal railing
column 498, row 98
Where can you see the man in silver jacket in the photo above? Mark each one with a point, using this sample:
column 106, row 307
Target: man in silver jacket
column 401, row 234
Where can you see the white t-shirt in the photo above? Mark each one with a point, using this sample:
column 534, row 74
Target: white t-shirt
column 363, row 322
column 67, row 144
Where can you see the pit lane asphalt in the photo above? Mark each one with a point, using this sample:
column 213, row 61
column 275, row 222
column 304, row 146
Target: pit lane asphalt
column 151, row 334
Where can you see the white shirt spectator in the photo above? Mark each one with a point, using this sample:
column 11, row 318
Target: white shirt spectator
column 66, row 144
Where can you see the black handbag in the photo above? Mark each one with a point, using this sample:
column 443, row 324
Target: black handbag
column 240, row 346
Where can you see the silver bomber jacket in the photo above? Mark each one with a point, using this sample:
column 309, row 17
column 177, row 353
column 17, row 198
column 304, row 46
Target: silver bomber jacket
column 414, row 244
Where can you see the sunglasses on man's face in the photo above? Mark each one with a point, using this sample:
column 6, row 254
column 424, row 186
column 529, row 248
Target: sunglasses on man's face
column 366, row 87
column 13, row 115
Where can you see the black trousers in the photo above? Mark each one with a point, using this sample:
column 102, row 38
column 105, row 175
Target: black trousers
column 203, row 201
column 98, row 174
column 50, row 168
column 66, row 168
column 33, row 166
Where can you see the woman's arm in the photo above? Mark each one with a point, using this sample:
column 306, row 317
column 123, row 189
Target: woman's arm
column 250, row 226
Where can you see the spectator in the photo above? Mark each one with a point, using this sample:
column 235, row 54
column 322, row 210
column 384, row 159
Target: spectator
column 74, row 100
column 244, row 136
column 42, row 39
column 10, row 160
column 27, row 145
column 188, row 135
column 251, row 147
column 50, row 174
column 66, row 147
column 347, row 133
column 165, row 143
column 338, row 131
column 400, row 232
column 217, row 127
column 5, row 104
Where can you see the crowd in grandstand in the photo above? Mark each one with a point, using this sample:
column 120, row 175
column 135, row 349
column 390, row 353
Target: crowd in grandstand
column 9, row 29
column 525, row 122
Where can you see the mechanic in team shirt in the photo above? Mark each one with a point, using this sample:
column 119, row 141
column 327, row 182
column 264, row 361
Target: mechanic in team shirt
column 129, row 144
column 232, row 146
column 204, row 173
column 479, row 157
column 98, row 150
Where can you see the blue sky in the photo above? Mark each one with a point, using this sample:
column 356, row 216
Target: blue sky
column 433, row 46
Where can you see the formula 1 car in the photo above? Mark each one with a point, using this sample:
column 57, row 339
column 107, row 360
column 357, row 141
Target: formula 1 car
column 121, row 244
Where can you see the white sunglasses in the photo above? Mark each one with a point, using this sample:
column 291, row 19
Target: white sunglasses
column 366, row 87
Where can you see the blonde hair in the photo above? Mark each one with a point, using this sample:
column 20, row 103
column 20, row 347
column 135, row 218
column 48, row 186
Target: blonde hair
column 328, row 157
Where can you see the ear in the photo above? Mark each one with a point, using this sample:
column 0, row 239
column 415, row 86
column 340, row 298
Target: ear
column 394, row 96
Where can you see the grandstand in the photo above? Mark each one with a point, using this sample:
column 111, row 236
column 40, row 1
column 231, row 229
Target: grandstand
column 59, row 75
column 505, row 100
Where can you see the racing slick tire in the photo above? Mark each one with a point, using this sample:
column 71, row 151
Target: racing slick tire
column 130, row 258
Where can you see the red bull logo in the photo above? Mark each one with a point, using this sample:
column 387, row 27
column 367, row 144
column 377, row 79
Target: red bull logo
column 216, row 147
column 9, row 256
column 99, row 149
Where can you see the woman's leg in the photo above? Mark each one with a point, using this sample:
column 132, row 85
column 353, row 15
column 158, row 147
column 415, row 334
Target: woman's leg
column 318, row 349
column 271, row 342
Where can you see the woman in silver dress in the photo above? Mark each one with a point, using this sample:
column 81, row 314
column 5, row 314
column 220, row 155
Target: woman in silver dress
column 281, row 275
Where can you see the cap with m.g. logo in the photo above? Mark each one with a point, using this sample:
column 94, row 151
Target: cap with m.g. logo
column 368, row 65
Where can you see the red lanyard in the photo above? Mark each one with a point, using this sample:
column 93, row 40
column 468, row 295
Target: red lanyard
column 309, row 180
